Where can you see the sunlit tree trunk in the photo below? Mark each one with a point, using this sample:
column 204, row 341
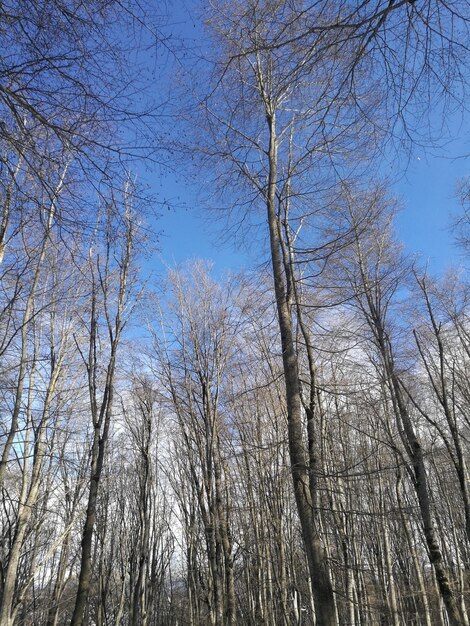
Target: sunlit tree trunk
column 315, row 550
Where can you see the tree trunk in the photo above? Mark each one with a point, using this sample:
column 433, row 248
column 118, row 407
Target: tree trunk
column 321, row 584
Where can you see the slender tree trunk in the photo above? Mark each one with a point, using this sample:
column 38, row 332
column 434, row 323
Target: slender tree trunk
column 101, row 412
column 30, row 487
column 26, row 322
column 426, row 613
column 84, row 580
column 319, row 572
column 371, row 302
column 422, row 493
column 53, row 614
column 7, row 204
column 392, row 594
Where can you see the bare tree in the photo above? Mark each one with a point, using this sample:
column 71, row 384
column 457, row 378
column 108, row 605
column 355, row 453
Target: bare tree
column 194, row 365
column 67, row 85
column 111, row 283
column 375, row 276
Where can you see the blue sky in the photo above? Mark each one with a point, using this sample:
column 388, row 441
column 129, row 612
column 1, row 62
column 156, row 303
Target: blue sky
column 427, row 188
column 426, row 185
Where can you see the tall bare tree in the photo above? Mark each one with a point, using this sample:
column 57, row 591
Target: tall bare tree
column 111, row 285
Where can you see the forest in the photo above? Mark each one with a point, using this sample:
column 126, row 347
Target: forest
column 286, row 444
